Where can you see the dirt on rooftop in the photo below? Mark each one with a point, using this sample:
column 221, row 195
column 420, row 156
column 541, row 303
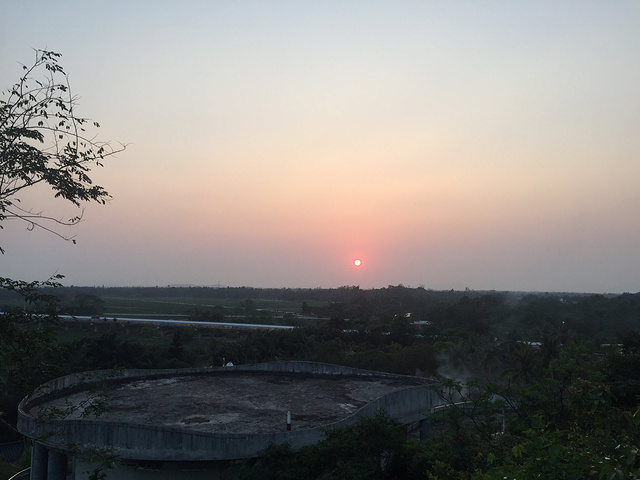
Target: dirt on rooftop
column 246, row 403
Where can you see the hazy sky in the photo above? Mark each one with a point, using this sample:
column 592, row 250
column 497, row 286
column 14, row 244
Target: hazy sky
column 449, row 144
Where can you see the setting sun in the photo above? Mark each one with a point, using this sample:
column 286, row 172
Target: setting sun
column 357, row 262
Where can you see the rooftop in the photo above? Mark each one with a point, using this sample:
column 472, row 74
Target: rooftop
column 254, row 402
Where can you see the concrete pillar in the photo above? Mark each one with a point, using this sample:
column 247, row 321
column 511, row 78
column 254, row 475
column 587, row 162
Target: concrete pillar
column 39, row 459
column 425, row 430
column 57, row 466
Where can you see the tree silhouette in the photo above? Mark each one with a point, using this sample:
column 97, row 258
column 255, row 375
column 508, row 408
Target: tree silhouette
column 44, row 141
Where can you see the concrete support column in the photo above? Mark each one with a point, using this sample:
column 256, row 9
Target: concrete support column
column 57, row 466
column 39, row 460
column 425, row 430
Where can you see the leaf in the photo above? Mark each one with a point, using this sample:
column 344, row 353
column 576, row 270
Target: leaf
column 517, row 451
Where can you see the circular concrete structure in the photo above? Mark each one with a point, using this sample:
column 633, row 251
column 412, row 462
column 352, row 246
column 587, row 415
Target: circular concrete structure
column 206, row 415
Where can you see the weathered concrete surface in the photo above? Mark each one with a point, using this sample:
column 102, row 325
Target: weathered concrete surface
column 215, row 414
column 232, row 403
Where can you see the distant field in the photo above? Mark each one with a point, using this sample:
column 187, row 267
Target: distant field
column 168, row 306
column 146, row 335
column 185, row 305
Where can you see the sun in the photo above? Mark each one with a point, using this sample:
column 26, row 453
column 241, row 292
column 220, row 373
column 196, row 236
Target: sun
column 357, row 262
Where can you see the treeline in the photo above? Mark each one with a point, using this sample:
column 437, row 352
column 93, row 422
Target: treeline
column 600, row 318
column 391, row 296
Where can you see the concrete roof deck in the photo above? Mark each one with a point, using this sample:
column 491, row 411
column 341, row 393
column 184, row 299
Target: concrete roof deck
column 214, row 413
column 240, row 403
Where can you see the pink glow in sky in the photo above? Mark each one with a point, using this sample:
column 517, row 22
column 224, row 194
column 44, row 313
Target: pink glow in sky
column 489, row 145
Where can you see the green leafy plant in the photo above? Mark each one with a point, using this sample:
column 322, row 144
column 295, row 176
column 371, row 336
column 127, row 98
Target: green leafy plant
column 44, row 141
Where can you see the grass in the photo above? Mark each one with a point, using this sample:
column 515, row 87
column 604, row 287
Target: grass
column 182, row 306
column 146, row 335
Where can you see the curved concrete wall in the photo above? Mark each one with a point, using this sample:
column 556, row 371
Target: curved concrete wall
column 144, row 442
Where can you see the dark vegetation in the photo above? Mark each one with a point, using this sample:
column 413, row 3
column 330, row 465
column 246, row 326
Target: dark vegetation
column 551, row 381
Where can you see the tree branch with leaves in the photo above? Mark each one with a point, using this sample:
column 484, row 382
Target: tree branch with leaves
column 44, row 141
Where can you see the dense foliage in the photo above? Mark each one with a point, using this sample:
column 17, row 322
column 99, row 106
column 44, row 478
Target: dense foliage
column 372, row 448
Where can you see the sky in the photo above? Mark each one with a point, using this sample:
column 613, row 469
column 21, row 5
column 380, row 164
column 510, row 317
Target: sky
column 490, row 145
